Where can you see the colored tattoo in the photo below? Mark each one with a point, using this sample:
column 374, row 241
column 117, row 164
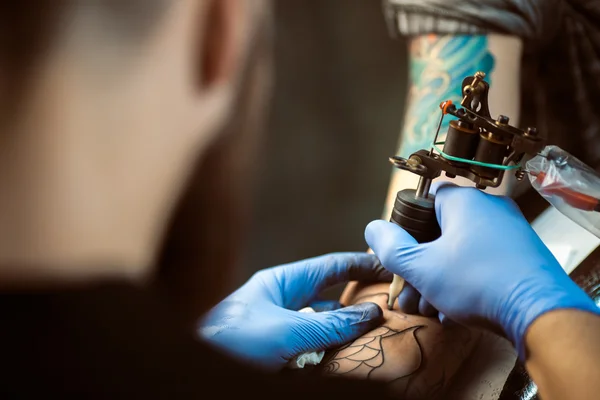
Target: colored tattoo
column 438, row 65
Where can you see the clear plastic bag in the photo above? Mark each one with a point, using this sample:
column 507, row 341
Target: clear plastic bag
column 569, row 185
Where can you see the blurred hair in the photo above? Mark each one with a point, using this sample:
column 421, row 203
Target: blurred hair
column 206, row 235
column 30, row 28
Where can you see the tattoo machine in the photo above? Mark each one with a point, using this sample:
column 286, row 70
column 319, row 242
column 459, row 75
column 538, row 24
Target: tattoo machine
column 476, row 147
column 482, row 149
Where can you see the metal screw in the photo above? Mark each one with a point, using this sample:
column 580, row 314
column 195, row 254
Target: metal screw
column 413, row 161
column 531, row 131
column 520, row 174
column 462, row 124
column 502, row 119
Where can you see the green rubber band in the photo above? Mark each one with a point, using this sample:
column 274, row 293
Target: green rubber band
column 472, row 162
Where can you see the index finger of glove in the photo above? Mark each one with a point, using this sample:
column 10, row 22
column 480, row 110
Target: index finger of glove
column 455, row 206
column 302, row 281
column 445, row 197
column 397, row 249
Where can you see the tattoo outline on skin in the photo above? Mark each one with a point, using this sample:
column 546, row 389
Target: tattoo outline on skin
column 438, row 64
column 366, row 355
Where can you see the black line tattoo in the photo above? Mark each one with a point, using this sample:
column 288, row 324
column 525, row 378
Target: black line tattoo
column 366, row 358
column 365, row 355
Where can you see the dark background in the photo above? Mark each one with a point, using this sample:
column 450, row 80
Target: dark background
column 335, row 117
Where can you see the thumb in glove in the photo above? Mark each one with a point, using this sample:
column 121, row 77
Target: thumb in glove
column 330, row 329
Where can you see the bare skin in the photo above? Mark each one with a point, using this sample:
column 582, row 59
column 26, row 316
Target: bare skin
column 564, row 350
column 416, row 356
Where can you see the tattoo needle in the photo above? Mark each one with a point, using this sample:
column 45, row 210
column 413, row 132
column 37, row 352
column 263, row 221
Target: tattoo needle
column 395, row 289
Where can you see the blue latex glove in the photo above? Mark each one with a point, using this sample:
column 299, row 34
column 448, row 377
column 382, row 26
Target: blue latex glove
column 259, row 323
column 488, row 266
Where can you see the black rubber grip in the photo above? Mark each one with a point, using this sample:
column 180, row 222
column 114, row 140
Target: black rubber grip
column 416, row 216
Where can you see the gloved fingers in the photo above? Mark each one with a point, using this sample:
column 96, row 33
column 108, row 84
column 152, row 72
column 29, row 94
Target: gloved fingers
column 444, row 320
column 453, row 203
column 331, row 269
column 408, row 300
column 325, row 330
column 300, row 282
column 426, row 309
column 437, row 185
column 449, row 198
column 398, row 250
column 325, row 305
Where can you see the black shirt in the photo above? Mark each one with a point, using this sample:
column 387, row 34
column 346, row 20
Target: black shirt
column 116, row 340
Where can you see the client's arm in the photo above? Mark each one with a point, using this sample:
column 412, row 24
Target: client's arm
column 437, row 66
column 416, row 355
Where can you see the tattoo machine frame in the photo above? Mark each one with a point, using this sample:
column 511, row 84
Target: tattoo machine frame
column 477, row 147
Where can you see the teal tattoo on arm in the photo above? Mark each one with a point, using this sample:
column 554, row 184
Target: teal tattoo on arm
column 437, row 68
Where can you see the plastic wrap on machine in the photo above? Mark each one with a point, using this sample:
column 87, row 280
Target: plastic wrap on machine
column 569, row 185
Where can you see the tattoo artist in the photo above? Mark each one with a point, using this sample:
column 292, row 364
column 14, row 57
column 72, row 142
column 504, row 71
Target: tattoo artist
column 104, row 109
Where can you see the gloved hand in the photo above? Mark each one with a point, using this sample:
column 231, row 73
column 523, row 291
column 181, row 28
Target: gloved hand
column 488, row 265
column 259, row 323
